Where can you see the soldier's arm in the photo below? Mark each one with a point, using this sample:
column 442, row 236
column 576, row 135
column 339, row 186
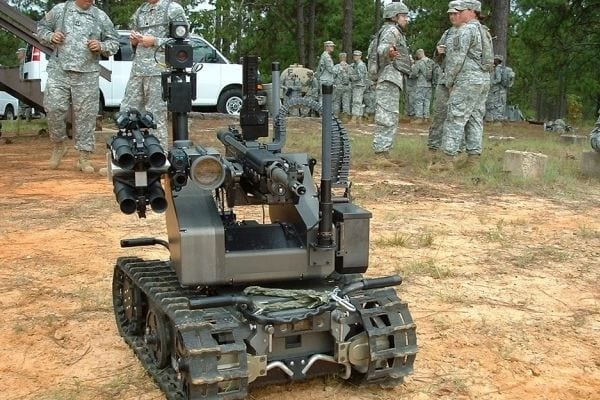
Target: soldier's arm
column 387, row 42
column 109, row 44
column 47, row 25
column 457, row 55
column 414, row 71
column 328, row 66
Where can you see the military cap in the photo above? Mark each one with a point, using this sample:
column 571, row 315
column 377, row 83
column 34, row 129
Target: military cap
column 357, row 53
column 329, row 43
column 498, row 57
column 420, row 52
column 395, row 8
column 474, row 5
column 343, row 54
column 454, row 6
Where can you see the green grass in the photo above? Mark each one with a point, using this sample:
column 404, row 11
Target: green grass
column 427, row 267
column 406, row 240
column 23, row 128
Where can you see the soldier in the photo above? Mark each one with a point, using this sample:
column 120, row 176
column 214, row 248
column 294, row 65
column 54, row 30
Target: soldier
column 150, row 31
column 440, row 99
column 342, row 90
column 359, row 84
column 468, row 81
column 501, row 80
column 312, row 91
column 393, row 64
column 79, row 32
column 409, row 94
column 369, row 100
column 325, row 71
column 423, row 71
column 595, row 135
column 292, row 87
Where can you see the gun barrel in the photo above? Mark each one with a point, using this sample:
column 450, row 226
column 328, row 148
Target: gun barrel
column 279, row 175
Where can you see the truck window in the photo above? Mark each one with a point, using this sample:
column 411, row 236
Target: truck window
column 203, row 53
column 125, row 52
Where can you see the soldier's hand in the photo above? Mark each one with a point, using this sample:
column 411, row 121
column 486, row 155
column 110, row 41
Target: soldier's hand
column 58, row 37
column 135, row 38
column 94, row 45
column 148, row 40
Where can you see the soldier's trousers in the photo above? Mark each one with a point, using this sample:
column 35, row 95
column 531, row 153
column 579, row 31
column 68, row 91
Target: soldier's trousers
column 422, row 102
column 81, row 90
column 438, row 116
column 341, row 100
column 357, row 100
column 466, row 108
column 387, row 112
column 496, row 105
column 144, row 93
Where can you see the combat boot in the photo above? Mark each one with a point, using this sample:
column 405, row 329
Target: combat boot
column 444, row 162
column 59, row 151
column 383, row 159
column 84, row 164
column 472, row 161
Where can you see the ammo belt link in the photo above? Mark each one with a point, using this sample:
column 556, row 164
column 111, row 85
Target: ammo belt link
column 199, row 331
column 389, row 360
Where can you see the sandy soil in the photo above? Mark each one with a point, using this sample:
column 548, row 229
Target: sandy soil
column 503, row 288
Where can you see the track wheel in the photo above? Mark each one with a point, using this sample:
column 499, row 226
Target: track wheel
column 158, row 337
column 128, row 304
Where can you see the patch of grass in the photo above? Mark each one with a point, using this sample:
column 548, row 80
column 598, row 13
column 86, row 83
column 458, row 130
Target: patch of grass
column 407, row 240
column 20, row 127
column 427, row 267
column 587, row 232
column 540, row 256
column 398, row 240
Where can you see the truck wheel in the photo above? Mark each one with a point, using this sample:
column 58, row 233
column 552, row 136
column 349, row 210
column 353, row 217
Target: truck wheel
column 9, row 113
column 230, row 102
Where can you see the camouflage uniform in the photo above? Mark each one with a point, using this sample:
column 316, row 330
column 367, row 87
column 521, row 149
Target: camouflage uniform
column 389, row 86
column 422, row 99
column 440, row 98
column 469, row 85
column 144, row 88
column 496, row 100
column 595, row 136
column 74, row 70
column 410, row 94
column 292, row 88
column 369, row 99
column 342, row 90
column 359, row 85
column 312, row 92
column 325, row 70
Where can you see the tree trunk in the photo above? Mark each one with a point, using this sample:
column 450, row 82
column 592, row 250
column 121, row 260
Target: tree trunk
column 499, row 25
column 377, row 15
column 300, row 32
column 347, row 30
column 311, row 34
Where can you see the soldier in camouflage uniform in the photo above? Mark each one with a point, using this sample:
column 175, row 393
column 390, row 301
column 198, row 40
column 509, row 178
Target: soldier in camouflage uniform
column 150, row 31
column 312, row 92
column 292, row 88
column 501, row 80
column 595, row 135
column 390, row 76
column 423, row 71
column 79, row 32
column 468, row 83
column 369, row 101
column 342, row 89
column 441, row 95
column 325, row 70
column 410, row 92
column 358, row 76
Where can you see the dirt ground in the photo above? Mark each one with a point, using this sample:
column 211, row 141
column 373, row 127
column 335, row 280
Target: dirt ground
column 504, row 288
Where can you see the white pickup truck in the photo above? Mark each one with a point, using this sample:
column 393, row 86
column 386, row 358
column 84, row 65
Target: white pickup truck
column 218, row 83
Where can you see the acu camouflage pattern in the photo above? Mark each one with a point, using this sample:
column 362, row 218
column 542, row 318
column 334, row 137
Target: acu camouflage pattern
column 369, row 98
column 292, row 87
column 441, row 96
column 469, row 85
column 496, row 101
column 325, row 71
column 423, row 91
column 342, row 89
column 144, row 88
column 595, row 136
column 73, row 70
column 389, row 85
column 359, row 85
column 410, row 89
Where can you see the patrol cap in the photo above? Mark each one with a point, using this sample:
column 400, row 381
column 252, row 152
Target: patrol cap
column 329, row 43
column 357, row 53
column 498, row 57
column 343, row 55
column 474, row 5
column 455, row 6
column 420, row 52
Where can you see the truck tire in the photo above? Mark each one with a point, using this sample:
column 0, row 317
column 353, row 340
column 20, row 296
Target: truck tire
column 9, row 112
column 230, row 102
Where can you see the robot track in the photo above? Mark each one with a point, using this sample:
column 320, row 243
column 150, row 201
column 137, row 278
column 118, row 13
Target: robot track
column 216, row 353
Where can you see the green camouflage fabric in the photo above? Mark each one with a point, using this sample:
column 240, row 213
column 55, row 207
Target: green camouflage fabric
column 422, row 92
column 153, row 20
column 468, row 85
column 73, row 70
column 595, row 136
column 495, row 105
column 359, row 85
column 292, row 87
column 325, row 71
column 144, row 88
column 342, row 89
column 439, row 109
column 389, row 86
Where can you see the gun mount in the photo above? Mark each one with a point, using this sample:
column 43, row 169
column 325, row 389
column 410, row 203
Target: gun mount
column 198, row 321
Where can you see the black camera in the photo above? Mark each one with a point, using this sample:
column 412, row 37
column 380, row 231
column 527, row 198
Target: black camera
column 179, row 53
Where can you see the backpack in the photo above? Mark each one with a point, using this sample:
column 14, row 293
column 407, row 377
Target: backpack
column 373, row 57
column 428, row 70
column 508, row 77
column 486, row 63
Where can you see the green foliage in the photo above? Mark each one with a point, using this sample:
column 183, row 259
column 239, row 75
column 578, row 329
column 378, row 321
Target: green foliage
column 575, row 109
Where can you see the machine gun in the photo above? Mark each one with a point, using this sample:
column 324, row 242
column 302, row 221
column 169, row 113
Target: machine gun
column 197, row 321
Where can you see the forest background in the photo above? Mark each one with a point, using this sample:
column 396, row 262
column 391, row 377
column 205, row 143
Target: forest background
column 552, row 45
